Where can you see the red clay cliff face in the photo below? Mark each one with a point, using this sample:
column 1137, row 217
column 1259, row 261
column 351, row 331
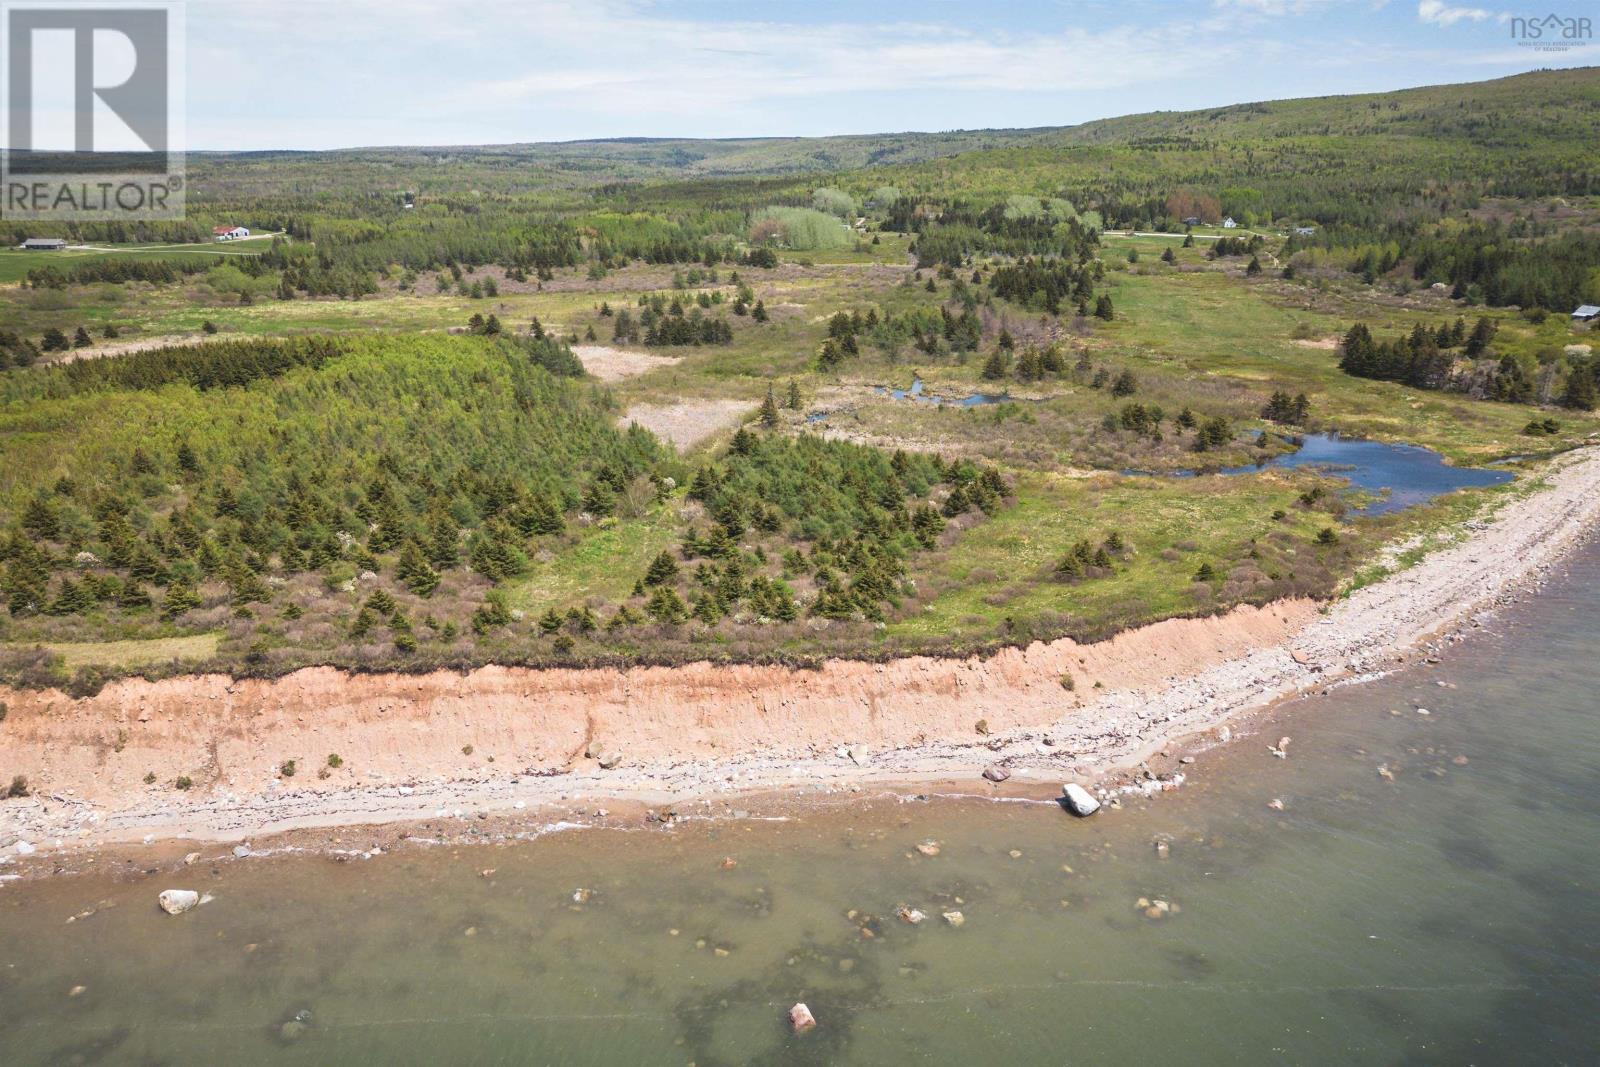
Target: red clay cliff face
column 234, row 736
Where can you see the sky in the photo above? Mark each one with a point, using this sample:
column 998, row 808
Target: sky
column 346, row 73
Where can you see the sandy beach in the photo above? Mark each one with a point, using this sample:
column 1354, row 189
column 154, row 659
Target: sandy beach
column 506, row 741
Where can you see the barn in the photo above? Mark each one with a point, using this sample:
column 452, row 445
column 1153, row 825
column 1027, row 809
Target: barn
column 229, row 233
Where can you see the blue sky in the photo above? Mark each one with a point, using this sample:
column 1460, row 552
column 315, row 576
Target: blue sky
column 340, row 73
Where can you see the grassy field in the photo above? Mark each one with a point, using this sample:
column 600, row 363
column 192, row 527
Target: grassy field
column 1196, row 333
column 16, row 263
column 131, row 655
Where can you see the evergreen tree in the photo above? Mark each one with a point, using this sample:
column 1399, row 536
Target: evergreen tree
column 181, row 597
column 1214, row 433
column 73, row 598
column 769, row 410
column 1580, row 391
column 413, row 571
column 1482, row 334
column 662, row 570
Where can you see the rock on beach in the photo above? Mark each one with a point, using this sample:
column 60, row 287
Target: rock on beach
column 1079, row 800
column 177, row 901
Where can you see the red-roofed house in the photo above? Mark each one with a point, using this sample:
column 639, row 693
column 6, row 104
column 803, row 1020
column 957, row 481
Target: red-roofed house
column 229, row 233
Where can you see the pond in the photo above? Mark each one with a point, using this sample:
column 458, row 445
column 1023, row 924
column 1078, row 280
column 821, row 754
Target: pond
column 1402, row 475
column 916, row 392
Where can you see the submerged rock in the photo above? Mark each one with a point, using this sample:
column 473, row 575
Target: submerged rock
column 910, row 915
column 801, row 1019
column 177, row 901
column 928, row 848
column 295, row 1028
column 1079, row 800
column 954, row 918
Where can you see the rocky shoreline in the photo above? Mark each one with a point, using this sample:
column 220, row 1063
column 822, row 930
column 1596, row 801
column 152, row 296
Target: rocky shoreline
column 1167, row 691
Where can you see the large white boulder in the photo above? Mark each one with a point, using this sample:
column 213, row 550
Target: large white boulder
column 177, row 901
column 801, row 1019
column 1079, row 800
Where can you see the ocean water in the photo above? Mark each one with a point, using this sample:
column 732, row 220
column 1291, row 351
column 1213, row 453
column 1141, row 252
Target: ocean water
column 1443, row 912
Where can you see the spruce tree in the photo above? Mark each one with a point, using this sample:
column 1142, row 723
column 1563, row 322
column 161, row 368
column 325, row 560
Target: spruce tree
column 413, row 571
column 181, row 597
column 995, row 367
column 769, row 410
column 1580, row 391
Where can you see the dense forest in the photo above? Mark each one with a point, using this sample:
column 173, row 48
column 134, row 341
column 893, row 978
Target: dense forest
column 356, row 500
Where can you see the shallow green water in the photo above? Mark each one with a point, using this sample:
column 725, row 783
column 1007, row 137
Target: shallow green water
column 1447, row 916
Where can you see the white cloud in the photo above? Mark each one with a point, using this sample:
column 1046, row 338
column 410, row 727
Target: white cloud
column 649, row 64
column 1440, row 13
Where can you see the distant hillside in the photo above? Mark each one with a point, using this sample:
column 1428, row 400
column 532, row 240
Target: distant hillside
column 1525, row 109
column 1360, row 161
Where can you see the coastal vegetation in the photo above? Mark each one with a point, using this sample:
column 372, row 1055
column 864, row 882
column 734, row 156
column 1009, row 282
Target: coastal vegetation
column 566, row 405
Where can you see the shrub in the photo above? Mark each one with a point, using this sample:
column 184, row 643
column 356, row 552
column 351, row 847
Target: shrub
column 799, row 229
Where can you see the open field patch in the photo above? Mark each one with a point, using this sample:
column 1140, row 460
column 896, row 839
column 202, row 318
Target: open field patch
column 687, row 422
column 614, row 364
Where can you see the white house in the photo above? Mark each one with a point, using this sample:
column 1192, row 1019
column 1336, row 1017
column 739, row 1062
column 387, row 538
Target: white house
column 1229, row 224
column 229, row 233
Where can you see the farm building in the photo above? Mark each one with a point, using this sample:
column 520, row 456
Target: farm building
column 1586, row 313
column 229, row 233
column 1229, row 224
column 43, row 244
